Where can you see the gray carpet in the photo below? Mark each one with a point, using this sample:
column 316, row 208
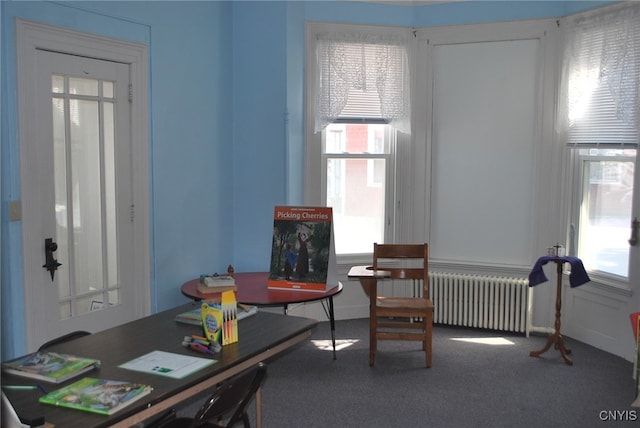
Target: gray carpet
column 470, row 384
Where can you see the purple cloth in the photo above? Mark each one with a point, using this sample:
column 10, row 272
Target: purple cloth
column 578, row 275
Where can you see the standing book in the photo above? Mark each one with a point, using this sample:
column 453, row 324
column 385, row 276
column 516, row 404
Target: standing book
column 97, row 395
column 50, row 366
column 303, row 255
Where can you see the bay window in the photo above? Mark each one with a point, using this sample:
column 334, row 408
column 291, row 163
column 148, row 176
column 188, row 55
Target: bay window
column 599, row 121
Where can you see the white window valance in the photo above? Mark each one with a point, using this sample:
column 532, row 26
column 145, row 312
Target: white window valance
column 599, row 87
column 362, row 77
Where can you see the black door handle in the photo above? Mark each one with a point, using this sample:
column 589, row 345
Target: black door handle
column 635, row 224
column 51, row 264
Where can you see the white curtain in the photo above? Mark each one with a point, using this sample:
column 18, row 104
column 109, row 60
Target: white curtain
column 601, row 50
column 366, row 74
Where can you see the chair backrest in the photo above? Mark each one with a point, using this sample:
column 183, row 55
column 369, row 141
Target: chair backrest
column 65, row 338
column 232, row 396
column 404, row 261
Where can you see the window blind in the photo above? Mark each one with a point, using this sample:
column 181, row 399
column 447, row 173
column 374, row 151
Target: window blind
column 363, row 78
column 602, row 76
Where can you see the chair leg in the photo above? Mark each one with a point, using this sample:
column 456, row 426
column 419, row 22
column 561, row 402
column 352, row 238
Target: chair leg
column 372, row 340
column 428, row 339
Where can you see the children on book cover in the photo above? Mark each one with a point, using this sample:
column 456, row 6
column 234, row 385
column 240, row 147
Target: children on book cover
column 302, row 251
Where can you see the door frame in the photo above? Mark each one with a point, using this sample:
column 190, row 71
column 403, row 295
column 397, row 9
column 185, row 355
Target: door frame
column 31, row 36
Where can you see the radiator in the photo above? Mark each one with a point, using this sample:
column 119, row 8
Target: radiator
column 498, row 303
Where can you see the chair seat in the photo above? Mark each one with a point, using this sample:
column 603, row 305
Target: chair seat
column 403, row 303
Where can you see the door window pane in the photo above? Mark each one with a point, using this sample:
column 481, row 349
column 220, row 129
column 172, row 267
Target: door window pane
column 84, row 162
column 80, row 86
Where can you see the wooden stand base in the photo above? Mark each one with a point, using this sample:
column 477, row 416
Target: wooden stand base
column 556, row 338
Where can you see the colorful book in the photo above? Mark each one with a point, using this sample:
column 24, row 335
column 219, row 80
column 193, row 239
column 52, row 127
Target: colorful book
column 303, row 256
column 97, row 395
column 50, row 366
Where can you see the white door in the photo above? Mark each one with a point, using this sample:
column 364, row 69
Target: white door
column 78, row 217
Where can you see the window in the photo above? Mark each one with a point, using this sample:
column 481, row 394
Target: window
column 599, row 117
column 604, row 214
column 358, row 100
column 357, row 161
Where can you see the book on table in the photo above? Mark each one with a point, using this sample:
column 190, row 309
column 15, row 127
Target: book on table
column 97, row 395
column 303, row 255
column 210, row 284
column 49, row 366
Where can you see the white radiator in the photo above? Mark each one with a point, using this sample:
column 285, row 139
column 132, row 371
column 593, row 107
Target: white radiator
column 498, row 303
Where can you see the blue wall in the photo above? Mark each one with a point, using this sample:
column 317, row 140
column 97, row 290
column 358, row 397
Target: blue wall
column 226, row 84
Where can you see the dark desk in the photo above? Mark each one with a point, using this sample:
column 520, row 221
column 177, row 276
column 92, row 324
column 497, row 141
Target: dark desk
column 253, row 290
column 262, row 336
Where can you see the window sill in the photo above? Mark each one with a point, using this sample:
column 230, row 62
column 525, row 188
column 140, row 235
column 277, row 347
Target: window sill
column 609, row 284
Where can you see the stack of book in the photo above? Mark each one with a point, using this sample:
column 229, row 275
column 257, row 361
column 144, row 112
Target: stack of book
column 212, row 284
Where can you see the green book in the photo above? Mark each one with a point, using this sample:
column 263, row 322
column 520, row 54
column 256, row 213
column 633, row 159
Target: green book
column 49, row 366
column 97, row 395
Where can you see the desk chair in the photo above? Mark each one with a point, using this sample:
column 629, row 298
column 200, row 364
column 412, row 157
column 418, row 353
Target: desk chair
column 232, row 397
column 64, row 338
column 401, row 318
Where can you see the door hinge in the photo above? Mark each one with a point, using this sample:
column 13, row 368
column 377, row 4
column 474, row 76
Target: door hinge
column 130, row 92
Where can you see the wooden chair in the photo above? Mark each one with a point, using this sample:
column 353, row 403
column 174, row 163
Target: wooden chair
column 401, row 318
column 229, row 402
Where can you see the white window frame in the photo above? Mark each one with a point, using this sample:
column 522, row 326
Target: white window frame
column 576, row 188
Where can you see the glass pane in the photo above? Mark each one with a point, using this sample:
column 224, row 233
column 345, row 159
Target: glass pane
column 88, row 304
column 80, row 86
column 356, row 138
column 110, row 195
column 356, row 183
column 107, row 89
column 606, row 213
column 358, row 205
column 65, row 310
column 60, row 189
column 57, row 84
column 114, row 297
column 86, row 197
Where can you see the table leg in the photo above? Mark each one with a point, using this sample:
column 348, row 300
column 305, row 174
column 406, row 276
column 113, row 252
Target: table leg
column 556, row 338
column 332, row 321
column 259, row 408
